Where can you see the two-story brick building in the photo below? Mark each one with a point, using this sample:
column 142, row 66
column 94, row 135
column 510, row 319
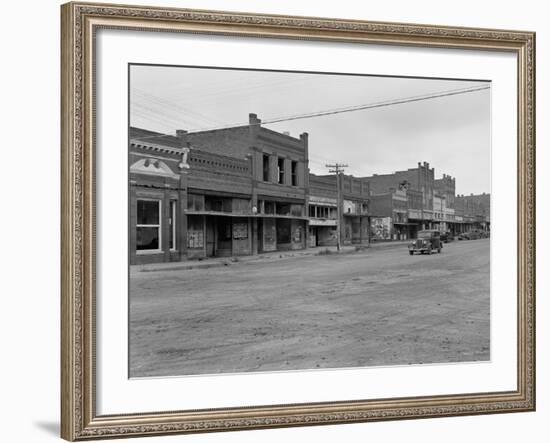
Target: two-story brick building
column 225, row 192
column 323, row 210
column 402, row 202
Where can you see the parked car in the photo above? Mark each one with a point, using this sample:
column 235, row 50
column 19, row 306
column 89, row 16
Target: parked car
column 426, row 242
column 447, row 236
column 474, row 234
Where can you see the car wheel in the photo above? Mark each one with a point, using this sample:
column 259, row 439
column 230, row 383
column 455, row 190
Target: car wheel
column 411, row 252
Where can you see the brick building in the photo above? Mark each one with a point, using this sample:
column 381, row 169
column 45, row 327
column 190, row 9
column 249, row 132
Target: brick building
column 233, row 191
column 402, row 202
column 430, row 204
column 247, row 189
column 475, row 211
column 444, row 205
column 323, row 210
column 389, row 215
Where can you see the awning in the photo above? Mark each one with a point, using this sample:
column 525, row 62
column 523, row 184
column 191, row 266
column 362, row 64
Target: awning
column 321, row 222
column 233, row 214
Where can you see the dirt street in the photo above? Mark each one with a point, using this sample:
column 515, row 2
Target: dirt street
column 377, row 307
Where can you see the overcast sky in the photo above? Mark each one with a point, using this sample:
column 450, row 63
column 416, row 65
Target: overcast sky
column 451, row 133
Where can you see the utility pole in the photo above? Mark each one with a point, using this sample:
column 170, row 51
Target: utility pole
column 338, row 169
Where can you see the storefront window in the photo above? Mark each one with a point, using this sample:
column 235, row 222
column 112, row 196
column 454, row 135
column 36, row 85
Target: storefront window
column 148, row 225
column 283, row 231
column 283, row 208
column 195, row 202
column 296, row 210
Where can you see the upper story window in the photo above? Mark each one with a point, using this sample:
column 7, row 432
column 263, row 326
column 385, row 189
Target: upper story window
column 148, row 234
column 195, row 202
column 281, row 169
column 265, row 167
column 294, row 172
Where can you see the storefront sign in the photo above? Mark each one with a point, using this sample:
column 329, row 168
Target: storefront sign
column 240, row 231
column 381, row 228
column 195, row 239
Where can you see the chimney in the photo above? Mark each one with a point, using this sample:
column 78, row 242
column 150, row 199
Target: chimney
column 254, row 120
column 286, row 133
column 182, row 135
column 304, row 136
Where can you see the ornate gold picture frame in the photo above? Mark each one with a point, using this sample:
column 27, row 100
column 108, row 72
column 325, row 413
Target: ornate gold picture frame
column 79, row 417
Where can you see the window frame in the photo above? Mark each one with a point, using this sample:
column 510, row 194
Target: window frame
column 265, row 167
column 158, row 226
column 281, row 170
column 294, row 173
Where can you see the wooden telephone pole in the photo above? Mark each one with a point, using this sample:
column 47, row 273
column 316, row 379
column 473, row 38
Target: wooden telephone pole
column 338, row 169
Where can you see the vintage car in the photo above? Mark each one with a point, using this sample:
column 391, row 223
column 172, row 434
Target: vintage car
column 474, row 234
column 427, row 241
column 447, row 236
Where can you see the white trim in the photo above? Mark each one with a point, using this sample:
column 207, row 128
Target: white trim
column 149, row 252
column 173, row 220
column 159, row 168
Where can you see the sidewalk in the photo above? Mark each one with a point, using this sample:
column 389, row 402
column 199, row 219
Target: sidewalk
column 212, row 262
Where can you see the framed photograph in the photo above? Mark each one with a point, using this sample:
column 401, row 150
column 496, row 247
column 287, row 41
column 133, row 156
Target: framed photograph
column 277, row 221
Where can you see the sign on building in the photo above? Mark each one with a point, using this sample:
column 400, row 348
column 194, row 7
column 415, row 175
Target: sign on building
column 381, row 228
column 240, row 231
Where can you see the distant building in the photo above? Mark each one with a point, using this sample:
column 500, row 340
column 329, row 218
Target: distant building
column 402, row 202
column 430, row 204
column 475, row 211
column 389, row 215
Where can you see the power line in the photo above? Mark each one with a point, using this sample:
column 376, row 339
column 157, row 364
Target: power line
column 345, row 109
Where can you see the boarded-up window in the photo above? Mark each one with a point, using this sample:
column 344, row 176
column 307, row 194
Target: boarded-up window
column 195, row 232
column 296, row 210
column 240, row 231
column 283, row 231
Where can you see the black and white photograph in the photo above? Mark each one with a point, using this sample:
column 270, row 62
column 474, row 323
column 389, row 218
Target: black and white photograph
column 284, row 221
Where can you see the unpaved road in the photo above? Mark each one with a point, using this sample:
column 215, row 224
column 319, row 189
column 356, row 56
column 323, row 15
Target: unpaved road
column 378, row 307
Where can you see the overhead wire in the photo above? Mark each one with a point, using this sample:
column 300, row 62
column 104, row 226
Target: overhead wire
column 342, row 110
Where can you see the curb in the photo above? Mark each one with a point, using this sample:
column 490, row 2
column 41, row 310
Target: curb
column 247, row 259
